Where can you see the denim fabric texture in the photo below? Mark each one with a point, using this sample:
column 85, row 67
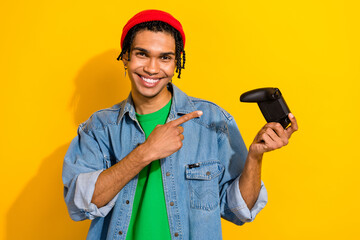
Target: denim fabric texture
column 199, row 194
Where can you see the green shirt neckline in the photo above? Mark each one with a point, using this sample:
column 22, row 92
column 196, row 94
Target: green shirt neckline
column 150, row 116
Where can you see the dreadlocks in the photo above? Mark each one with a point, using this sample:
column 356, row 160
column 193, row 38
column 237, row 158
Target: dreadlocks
column 156, row 26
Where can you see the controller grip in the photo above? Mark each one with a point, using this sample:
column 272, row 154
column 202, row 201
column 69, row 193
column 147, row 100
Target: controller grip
column 271, row 103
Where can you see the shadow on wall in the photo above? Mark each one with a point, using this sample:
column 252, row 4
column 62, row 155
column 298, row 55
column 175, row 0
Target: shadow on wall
column 40, row 211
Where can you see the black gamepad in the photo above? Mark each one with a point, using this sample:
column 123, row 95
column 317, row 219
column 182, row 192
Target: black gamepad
column 271, row 104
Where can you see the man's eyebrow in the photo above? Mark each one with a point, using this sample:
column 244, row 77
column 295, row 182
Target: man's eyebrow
column 167, row 53
column 146, row 51
column 140, row 49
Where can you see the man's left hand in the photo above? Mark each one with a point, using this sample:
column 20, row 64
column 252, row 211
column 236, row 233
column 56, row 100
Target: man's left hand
column 272, row 136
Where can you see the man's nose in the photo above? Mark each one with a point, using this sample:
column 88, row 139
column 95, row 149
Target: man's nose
column 152, row 67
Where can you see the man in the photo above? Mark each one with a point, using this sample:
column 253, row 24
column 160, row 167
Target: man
column 161, row 164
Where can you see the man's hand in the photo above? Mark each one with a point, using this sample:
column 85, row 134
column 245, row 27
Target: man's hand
column 272, row 136
column 166, row 139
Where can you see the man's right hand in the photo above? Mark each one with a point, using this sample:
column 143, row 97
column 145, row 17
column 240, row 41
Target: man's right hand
column 166, row 139
column 163, row 141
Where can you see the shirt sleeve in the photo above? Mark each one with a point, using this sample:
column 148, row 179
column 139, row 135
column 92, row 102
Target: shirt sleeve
column 238, row 206
column 232, row 154
column 82, row 166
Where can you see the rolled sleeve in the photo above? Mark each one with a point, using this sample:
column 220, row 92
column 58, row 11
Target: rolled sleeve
column 83, row 163
column 238, row 206
column 84, row 190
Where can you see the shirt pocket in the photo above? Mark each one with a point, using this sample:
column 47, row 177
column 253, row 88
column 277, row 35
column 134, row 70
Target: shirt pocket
column 202, row 178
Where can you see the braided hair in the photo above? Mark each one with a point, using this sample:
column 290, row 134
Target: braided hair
column 156, row 26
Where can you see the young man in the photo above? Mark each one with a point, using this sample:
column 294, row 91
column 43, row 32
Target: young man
column 161, row 164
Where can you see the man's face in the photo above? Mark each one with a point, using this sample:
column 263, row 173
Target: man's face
column 152, row 63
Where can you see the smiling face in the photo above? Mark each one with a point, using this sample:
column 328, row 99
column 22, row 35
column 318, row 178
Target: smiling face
column 151, row 66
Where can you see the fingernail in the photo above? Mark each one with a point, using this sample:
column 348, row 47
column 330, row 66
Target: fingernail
column 200, row 113
column 291, row 115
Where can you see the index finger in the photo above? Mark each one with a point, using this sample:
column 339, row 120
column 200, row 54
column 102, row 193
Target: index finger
column 186, row 118
column 293, row 127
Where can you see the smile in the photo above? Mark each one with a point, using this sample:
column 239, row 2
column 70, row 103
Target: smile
column 149, row 80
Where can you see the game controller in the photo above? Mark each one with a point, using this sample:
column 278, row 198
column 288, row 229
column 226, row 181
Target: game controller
column 271, row 103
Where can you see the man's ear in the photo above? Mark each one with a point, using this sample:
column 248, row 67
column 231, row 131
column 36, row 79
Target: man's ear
column 125, row 59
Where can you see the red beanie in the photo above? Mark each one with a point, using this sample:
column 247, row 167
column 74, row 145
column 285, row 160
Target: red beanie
column 152, row 15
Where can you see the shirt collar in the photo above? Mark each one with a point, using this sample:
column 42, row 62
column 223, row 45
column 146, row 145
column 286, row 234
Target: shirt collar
column 181, row 104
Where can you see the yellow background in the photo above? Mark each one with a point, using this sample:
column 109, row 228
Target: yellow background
column 58, row 66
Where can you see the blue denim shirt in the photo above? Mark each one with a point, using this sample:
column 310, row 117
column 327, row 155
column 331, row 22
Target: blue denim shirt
column 201, row 180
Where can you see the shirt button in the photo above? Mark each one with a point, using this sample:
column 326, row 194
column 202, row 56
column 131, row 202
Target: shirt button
column 167, row 174
column 120, row 232
column 171, row 203
column 127, row 201
column 208, row 173
column 176, row 234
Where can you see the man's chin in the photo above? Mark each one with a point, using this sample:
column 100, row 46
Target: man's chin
column 148, row 93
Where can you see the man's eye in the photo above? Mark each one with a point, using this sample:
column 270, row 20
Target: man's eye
column 140, row 54
column 166, row 58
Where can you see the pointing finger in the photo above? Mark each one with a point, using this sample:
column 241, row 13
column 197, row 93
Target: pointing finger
column 186, row 118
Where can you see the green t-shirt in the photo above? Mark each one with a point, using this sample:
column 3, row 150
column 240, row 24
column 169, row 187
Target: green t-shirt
column 149, row 217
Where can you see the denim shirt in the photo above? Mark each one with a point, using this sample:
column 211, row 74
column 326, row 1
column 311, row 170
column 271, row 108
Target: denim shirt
column 201, row 180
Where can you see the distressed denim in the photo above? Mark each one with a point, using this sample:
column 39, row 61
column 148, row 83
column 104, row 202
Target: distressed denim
column 201, row 180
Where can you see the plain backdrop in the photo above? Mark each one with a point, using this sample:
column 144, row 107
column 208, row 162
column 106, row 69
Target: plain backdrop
column 58, row 66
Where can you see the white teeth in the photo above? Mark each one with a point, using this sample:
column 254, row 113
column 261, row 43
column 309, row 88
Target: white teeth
column 148, row 80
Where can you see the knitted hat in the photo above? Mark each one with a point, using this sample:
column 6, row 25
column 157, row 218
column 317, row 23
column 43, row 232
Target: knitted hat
column 152, row 15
